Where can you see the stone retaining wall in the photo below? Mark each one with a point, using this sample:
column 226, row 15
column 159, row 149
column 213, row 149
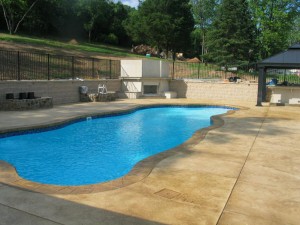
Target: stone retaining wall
column 67, row 91
column 97, row 97
column 61, row 91
column 195, row 89
column 26, row 104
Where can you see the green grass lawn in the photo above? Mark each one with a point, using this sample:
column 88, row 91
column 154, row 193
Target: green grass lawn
column 81, row 46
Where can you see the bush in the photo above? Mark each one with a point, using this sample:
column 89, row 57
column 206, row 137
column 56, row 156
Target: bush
column 111, row 39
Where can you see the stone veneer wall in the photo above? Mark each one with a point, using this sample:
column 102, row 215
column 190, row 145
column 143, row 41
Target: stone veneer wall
column 220, row 91
column 61, row 91
column 27, row 104
column 285, row 95
column 67, row 91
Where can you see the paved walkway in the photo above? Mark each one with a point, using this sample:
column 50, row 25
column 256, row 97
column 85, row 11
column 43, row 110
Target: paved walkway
column 246, row 172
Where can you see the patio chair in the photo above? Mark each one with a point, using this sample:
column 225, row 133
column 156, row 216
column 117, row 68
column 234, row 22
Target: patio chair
column 102, row 89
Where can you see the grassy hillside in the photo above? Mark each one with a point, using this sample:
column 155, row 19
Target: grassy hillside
column 72, row 45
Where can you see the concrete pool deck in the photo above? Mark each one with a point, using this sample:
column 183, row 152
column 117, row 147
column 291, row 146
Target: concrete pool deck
column 245, row 172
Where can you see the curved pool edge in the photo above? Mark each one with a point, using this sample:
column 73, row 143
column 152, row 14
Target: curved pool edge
column 9, row 175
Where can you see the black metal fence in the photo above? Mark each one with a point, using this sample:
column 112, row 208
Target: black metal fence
column 15, row 65
column 206, row 71
column 188, row 70
column 284, row 76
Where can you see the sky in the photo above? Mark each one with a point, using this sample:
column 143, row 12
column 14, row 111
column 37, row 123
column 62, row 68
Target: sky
column 132, row 3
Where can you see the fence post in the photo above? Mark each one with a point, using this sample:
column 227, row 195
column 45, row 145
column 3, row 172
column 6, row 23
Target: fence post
column 73, row 75
column 198, row 70
column 173, row 70
column 18, row 66
column 93, row 67
column 110, row 72
column 48, row 66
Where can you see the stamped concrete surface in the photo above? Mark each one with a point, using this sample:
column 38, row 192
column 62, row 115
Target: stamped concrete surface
column 245, row 172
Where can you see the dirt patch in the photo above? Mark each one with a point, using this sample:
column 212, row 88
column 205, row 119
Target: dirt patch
column 194, row 60
column 73, row 42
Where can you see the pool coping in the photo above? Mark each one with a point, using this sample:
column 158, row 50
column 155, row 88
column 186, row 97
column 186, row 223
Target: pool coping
column 9, row 175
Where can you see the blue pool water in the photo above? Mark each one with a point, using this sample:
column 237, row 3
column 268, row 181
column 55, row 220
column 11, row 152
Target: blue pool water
column 102, row 149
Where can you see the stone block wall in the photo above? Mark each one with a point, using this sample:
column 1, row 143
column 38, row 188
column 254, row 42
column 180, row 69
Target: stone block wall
column 67, row 91
column 62, row 91
column 285, row 95
column 27, row 104
column 220, row 91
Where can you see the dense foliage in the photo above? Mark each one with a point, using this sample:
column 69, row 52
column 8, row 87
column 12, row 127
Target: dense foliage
column 232, row 37
column 223, row 31
column 276, row 25
column 275, row 21
column 93, row 20
column 204, row 12
column 164, row 24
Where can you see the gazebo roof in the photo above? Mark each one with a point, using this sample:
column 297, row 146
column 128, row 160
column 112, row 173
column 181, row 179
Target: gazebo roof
column 287, row 59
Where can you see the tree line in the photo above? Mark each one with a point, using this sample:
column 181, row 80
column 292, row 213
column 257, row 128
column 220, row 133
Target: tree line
column 92, row 20
column 220, row 31
column 241, row 31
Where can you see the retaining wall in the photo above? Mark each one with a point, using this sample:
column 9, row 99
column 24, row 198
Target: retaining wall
column 62, row 91
column 67, row 91
column 195, row 89
column 285, row 95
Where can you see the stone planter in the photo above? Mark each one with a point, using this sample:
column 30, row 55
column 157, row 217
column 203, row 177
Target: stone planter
column 97, row 97
column 26, row 104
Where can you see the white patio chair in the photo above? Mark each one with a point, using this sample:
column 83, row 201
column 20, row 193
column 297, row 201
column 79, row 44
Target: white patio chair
column 102, row 89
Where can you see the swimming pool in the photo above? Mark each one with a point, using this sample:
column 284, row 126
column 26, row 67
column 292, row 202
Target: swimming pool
column 102, row 149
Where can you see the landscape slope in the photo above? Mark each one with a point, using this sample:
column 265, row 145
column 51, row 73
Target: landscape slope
column 60, row 47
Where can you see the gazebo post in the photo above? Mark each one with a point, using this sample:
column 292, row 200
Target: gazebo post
column 264, row 85
column 261, row 92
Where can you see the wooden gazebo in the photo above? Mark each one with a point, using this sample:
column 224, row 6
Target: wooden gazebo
column 289, row 59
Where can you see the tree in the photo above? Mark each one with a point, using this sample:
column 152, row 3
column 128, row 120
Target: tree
column 120, row 13
column 295, row 33
column 274, row 21
column 232, row 38
column 204, row 12
column 133, row 27
column 164, row 24
column 50, row 18
column 15, row 11
column 95, row 14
